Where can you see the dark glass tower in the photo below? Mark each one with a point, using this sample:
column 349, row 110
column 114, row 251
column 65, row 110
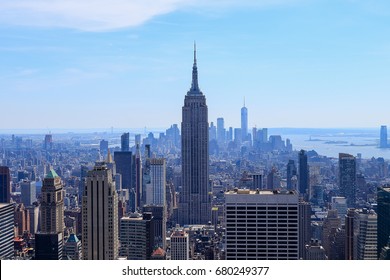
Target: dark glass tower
column 383, row 217
column 194, row 206
column 303, row 174
column 347, row 178
column 291, row 172
column 125, row 142
column 5, row 185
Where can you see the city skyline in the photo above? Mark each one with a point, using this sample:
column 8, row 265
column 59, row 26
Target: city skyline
column 294, row 62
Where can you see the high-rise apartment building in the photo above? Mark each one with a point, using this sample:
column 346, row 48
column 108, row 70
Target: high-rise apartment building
column 261, row 225
column 5, row 185
column 383, row 217
column 347, row 178
column 6, row 230
column 125, row 142
column 137, row 236
column 195, row 206
column 383, row 143
column 303, row 176
column 100, row 215
column 180, row 245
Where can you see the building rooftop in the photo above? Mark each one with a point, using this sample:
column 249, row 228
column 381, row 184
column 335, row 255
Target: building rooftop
column 52, row 174
column 158, row 252
column 73, row 238
column 261, row 192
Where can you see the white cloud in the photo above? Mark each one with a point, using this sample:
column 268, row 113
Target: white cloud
column 101, row 15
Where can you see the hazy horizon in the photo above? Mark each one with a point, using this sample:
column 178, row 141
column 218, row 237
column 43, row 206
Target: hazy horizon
column 301, row 130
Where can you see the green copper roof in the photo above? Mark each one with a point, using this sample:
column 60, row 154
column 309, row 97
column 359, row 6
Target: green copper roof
column 52, row 174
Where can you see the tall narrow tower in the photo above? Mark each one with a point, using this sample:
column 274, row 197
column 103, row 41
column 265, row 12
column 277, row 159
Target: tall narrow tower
column 194, row 206
column 52, row 204
column 244, row 123
column 49, row 241
column 383, row 137
column 347, row 178
column 303, row 174
column 5, row 184
column 100, row 215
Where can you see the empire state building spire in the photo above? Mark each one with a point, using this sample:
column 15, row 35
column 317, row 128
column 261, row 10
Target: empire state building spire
column 194, row 85
column 195, row 200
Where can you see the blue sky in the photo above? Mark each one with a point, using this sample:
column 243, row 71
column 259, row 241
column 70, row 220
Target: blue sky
column 127, row 63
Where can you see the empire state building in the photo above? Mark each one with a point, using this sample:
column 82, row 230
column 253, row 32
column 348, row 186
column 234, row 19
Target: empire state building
column 194, row 203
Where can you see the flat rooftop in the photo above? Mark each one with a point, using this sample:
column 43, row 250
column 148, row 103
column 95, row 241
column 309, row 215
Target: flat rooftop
column 261, row 192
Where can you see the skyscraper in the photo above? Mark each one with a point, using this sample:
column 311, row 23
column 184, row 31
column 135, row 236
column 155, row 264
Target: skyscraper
column 124, row 162
column 159, row 213
column 6, row 230
column 125, row 142
column 291, row 172
column 137, row 236
column 48, row 143
column 22, row 219
column 221, row 132
column 361, row 234
column 180, row 248
column 303, row 174
column 28, row 191
column 155, row 187
column 52, row 204
column 383, row 137
column 244, row 123
column 137, row 176
column 261, row 225
column 331, row 223
column 383, row 217
column 49, row 246
column 5, row 185
column 304, row 227
column 347, row 178
column 103, row 147
column 195, row 206
column 100, row 215
column 49, row 241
